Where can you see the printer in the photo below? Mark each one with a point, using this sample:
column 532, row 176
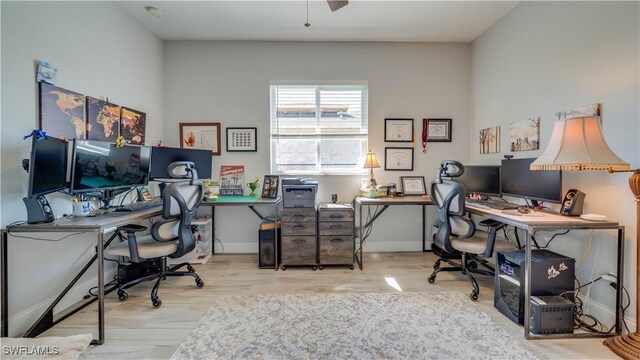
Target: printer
column 299, row 193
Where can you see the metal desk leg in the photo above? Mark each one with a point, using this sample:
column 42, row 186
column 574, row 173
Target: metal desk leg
column 275, row 241
column 213, row 230
column 5, row 285
column 424, row 228
column 100, row 259
column 359, row 257
column 527, row 283
column 620, row 283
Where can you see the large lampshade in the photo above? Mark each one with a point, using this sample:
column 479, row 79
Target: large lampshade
column 371, row 162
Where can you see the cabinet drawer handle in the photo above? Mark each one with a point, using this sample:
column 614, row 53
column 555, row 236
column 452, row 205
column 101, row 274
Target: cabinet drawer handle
column 336, row 226
column 336, row 241
column 298, row 226
column 336, row 216
column 299, row 241
column 298, row 215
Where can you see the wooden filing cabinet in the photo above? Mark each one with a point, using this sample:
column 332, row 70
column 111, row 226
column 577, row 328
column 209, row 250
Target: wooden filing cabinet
column 336, row 234
column 299, row 241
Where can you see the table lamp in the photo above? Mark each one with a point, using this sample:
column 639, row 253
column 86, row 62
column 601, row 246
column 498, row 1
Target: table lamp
column 578, row 144
column 370, row 162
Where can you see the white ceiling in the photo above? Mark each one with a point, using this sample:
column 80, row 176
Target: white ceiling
column 361, row 20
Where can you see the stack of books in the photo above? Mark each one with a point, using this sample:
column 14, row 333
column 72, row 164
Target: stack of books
column 269, row 223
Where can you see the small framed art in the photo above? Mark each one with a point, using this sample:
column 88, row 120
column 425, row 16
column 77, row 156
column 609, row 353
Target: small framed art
column 439, row 130
column 413, row 185
column 133, row 125
column 398, row 130
column 270, row 186
column 398, row 159
column 200, row 136
column 241, row 139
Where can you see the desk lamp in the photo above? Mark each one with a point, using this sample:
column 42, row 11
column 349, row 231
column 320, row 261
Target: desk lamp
column 578, row 144
column 370, row 162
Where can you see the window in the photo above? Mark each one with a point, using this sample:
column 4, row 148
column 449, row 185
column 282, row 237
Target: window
column 318, row 129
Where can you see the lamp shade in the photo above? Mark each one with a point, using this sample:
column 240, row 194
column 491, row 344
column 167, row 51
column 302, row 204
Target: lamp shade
column 578, row 144
column 370, row 162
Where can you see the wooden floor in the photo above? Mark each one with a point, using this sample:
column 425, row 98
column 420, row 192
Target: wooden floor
column 136, row 330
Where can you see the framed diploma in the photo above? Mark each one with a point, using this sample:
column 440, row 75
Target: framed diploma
column 398, row 159
column 439, row 130
column 398, row 130
column 413, row 185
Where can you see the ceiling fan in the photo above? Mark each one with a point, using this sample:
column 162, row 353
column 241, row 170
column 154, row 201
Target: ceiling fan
column 335, row 5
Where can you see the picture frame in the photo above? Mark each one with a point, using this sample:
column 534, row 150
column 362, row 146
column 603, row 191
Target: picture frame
column 133, row 125
column 270, row 186
column 200, row 136
column 413, row 185
column 62, row 112
column 398, row 130
column 103, row 120
column 439, row 130
column 241, row 139
column 398, row 158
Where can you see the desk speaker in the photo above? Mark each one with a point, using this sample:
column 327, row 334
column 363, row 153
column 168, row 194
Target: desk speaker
column 38, row 210
column 572, row 203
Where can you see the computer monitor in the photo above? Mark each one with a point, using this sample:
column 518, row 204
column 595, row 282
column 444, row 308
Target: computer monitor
column 99, row 166
column 162, row 157
column 480, row 179
column 516, row 179
column 47, row 166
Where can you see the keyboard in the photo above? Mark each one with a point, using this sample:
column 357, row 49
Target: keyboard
column 139, row 206
column 493, row 204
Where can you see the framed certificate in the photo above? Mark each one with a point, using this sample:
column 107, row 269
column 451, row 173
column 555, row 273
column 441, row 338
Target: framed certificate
column 413, row 185
column 398, row 159
column 439, row 130
column 398, row 130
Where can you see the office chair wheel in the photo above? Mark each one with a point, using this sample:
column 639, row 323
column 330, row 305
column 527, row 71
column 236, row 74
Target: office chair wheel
column 474, row 295
column 436, row 266
column 283, row 267
column 122, row 295
column 314, row 268
column 351, row 267
column 472, row 265
column 199, row 283
column 321, row 267
column 156, row 302
column 190, row 269
column 431, row 279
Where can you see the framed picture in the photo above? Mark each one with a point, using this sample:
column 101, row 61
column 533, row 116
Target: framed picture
column 413, row 185
column 398, row 130
column 200, row 136
column 133, row 125
column 62, row 112
column 398, row 159
column 525, row 135
column 241, row 139
column 103, row 120
column 270, row 186
column 439, row 130
column 489, row 140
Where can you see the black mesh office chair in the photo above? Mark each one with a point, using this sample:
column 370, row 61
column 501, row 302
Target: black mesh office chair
column 171, row 237
column 456, row 233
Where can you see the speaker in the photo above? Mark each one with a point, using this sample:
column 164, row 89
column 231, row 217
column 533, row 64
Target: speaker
column 38, row 210
column 267, row 249
column 572, row 203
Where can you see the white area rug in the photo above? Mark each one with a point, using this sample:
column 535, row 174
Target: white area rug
column 433, row 325
column 50, row 348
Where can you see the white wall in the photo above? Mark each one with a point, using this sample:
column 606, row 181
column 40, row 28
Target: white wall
column 99, row 50
column 228, row 82
column 544, row 57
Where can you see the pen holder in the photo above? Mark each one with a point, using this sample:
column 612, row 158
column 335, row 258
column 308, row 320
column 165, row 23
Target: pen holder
column 82, row 208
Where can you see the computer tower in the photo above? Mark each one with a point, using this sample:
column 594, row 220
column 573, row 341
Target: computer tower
column 551, row 274
column 266, row 249
column 551, row 315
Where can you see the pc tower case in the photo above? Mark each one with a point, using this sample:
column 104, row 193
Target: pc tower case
column 551, row 315
column 267, row 249
column 551, row 274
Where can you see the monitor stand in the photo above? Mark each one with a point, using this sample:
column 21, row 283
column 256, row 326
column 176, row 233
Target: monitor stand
column 534, row 203
column 108, row 195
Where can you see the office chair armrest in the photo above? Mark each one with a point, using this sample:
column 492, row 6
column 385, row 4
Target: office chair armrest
column 131, row 228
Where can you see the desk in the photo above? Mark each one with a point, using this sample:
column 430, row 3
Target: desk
column 552, row 221
column 385, row 202
column 251, row 202
column 99, row 225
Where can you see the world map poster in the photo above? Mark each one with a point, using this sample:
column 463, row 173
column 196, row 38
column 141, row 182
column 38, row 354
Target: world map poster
column 132, row 125
column 62, row 112
column 103, row 120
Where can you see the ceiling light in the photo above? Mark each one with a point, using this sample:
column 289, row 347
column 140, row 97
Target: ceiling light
column 154, row 11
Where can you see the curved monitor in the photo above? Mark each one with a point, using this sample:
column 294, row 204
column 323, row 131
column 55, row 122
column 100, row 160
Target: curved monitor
column 99, row 165
column 516, row 179
column 480, row 179
column 48, row 166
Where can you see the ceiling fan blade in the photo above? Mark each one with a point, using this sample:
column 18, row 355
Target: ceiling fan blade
column 337, row 4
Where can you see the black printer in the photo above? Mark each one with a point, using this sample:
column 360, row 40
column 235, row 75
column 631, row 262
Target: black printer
column 299, row 193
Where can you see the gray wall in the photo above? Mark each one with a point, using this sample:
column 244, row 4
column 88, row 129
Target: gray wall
column 228, row 82
column 99, row 50
column 544, row 57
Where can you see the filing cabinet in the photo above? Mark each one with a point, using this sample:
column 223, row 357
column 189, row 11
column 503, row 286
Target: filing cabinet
column 299, row 241
column 336, row 234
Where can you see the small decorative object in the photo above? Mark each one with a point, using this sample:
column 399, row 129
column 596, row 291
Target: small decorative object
column 334, row 198
column 62, row 112
column 589, row 110
column 133, row 125
column 241, row 139
column 392, row 191
column 525, row 135
column 37, row 134
column 370, row 162
column 145, row 193
column 490, row 140
column 425, row 134
column 413, row 185
column 253, row 186
column 270, row 186
column 46, row 73
column 200, row 136
column 232, row 180
column 398, row 130
column 160, row 144
column 61, row 138
column 438, row 130
column 398, row 159
column 211, row 189
column 103, row 120
column 120, row 141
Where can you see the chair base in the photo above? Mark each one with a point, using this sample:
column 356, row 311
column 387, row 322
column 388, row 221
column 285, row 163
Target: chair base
column 467, row 266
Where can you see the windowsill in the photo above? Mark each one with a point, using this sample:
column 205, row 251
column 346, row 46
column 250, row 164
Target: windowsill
column 320, row 173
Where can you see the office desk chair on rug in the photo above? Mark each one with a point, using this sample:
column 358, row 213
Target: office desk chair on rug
column 456, row 233
column 171, row 237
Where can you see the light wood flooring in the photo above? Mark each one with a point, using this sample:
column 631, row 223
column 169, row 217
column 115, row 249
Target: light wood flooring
column 137, row 330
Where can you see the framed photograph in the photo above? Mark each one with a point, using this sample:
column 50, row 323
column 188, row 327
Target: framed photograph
column 398, row 130
column 241, row 139
column 490, row 140
column 103, row 120
column 62, row 112
column 525, row 135
column 270, row 186
column 413, row 185
column 133, row 125
column 398, row 159
column 200, row 136
column 439, row 130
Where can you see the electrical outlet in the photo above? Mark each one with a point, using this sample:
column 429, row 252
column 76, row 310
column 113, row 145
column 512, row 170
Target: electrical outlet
column 610, row 278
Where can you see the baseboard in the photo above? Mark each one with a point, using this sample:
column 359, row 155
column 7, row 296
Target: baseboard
column 387, row 246
column 606, row 314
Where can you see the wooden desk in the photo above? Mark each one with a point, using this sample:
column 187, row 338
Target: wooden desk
column 551, row 221
column 385, row 202
column 99, row 225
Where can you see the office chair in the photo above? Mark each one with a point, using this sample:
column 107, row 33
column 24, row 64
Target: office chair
column 456, row 233
column 171, row 237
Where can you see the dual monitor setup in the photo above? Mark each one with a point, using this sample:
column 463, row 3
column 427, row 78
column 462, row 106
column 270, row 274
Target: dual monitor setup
column 98, row 168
